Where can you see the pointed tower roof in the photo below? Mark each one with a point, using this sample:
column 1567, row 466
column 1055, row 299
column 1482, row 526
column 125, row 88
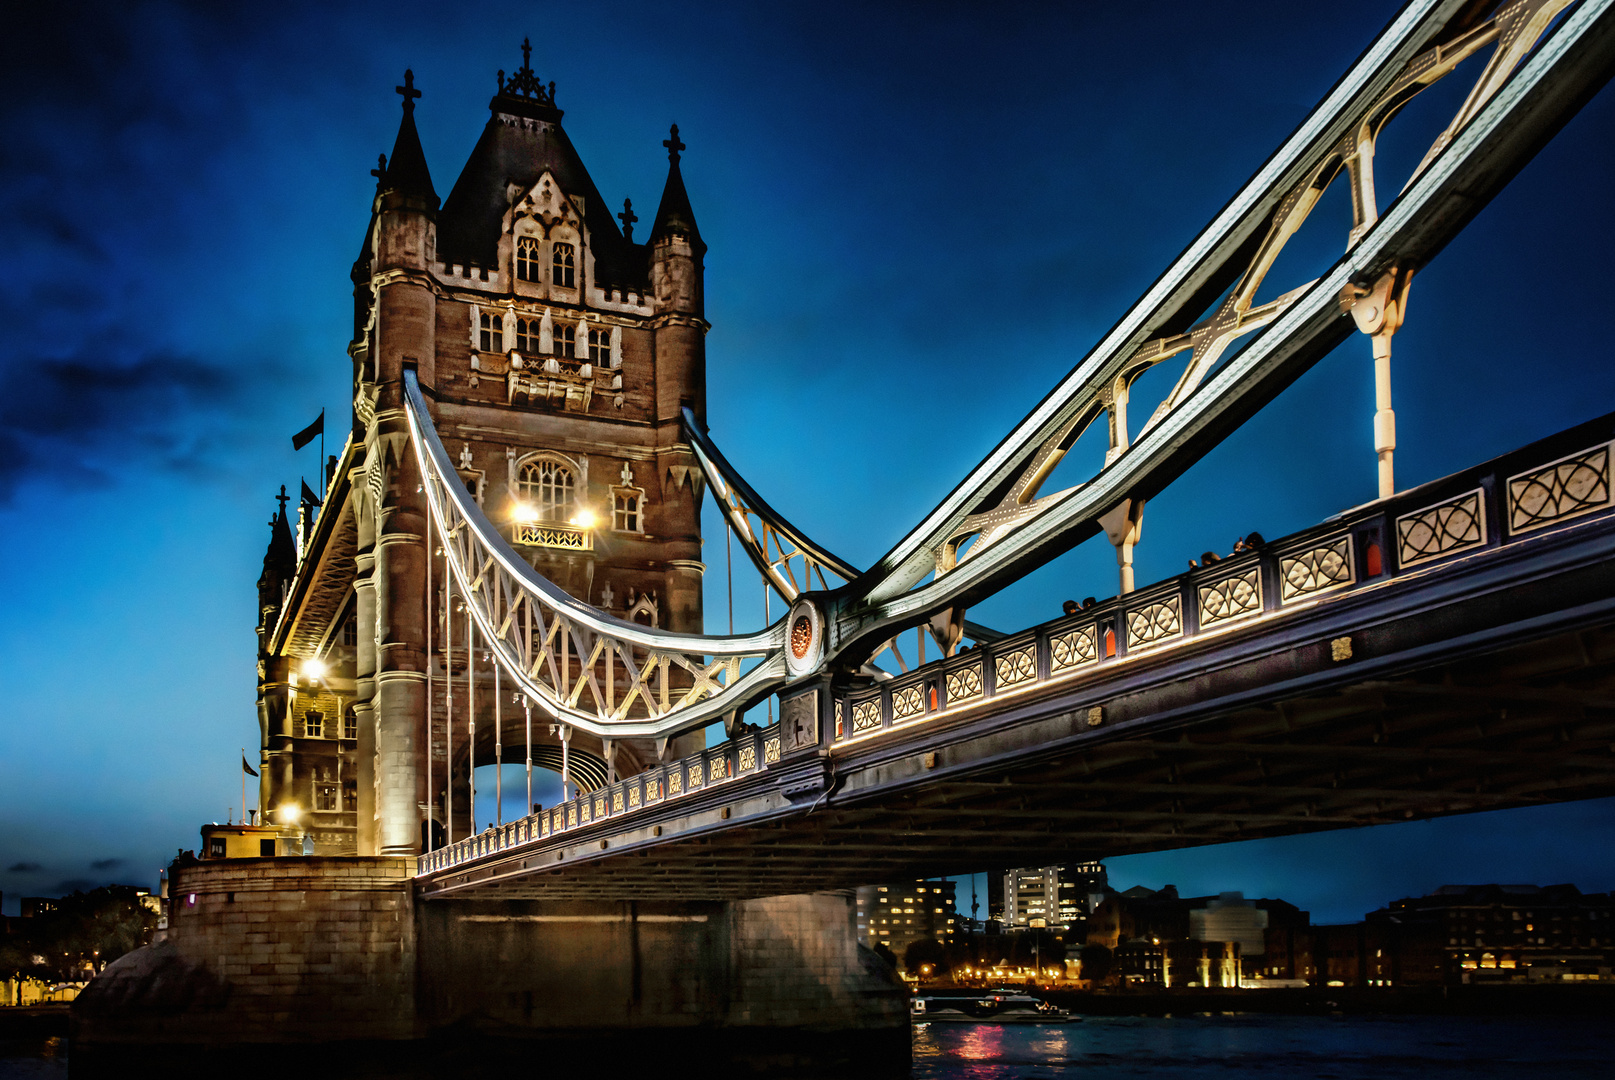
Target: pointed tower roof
column 674, row 214
column 280, row 561
column 523, row 140
column 406, row 172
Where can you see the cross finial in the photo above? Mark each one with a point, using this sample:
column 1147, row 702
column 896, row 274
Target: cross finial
column 527, row 53
column 628, row 217
column 283, row 498
column 673, row 145
column 408, row 91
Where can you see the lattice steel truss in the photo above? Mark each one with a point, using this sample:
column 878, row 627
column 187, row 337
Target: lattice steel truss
column 583, row 667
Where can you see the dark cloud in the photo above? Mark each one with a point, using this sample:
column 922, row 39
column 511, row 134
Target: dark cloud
column 106, row 864
column 73, row 885
column 24, row 868
column 79, row 417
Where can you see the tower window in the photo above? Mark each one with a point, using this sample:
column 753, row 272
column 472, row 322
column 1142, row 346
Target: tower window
column 325, row 797
column 493, row 332
column 527, row 336
column 625, row 510
column 600, row 347
column 561, row 266
column 350, row 724
column 549, row 487
column 566, row 339
column 314, row 724
column 527, row 258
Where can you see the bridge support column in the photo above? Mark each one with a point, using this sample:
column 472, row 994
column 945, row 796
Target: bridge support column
column 400, row 577
column 364, row 705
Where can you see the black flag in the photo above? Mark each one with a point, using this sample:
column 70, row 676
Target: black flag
column 245, row 767
column 306, row 436
column 309, row 498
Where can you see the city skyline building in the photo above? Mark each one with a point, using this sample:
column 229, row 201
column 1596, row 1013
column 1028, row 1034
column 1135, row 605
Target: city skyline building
column 900, row 913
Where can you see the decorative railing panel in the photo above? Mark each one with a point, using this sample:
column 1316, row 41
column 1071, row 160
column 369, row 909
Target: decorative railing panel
column 1565, row 489
column 1446, row 528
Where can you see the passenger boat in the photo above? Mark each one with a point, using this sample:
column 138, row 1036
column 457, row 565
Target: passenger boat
column 995, row 1007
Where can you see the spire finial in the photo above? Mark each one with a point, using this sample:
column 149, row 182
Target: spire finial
column 628, row 217
column 283, row 498
column 380, row 171
column 408, row 91
column 524, row 83
column 674, row 146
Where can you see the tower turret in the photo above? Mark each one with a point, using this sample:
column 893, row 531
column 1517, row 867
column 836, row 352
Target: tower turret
column 677, row 254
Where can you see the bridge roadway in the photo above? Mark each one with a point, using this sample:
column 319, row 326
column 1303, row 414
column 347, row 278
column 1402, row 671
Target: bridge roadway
column 1448, row 650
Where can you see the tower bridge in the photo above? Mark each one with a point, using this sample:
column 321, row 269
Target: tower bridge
column 508, row 554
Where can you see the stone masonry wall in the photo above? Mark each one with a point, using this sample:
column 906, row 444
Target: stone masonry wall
column 269, row 950
column 797, row 963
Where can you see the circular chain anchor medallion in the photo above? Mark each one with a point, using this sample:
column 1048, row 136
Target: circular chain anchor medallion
column 804, row 638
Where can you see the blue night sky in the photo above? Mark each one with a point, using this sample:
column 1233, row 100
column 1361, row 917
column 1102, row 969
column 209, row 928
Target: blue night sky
column 919, row 218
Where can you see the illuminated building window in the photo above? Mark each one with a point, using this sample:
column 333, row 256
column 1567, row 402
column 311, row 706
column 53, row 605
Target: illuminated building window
column 566, row 340
column 491, row 328
column 561, row 266
column 548, row 487
column 325, row 797
column 625, row 505
column 527, row 258
column 527, row 336
column 314, row 724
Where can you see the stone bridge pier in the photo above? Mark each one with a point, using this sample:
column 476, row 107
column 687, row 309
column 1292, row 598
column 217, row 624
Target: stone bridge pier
column 271, row 964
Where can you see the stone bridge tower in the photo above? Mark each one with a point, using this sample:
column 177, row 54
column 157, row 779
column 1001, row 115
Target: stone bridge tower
column 556, row 354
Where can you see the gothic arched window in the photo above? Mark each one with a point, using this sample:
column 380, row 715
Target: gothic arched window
column 600, row 347
column 549, row 487
column 561, row 265
column 566, row 340
column 527, row 258
column 527, row 336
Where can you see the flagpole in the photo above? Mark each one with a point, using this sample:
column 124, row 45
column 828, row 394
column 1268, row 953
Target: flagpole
column 243, row 787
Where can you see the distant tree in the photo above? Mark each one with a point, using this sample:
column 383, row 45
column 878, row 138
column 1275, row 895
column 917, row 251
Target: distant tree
column 1096, row 962
column 920, row 953
column 86, row 930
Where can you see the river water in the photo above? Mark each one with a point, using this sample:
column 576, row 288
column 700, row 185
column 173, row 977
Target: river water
column 1293, row 1047
column 1226, row 1047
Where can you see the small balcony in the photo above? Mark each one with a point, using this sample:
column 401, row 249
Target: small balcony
column 551, row 534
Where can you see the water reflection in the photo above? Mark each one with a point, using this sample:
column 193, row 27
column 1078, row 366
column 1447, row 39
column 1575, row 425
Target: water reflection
column 1201, row 1047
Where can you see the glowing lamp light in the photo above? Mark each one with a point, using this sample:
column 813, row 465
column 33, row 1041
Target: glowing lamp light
column 584, row 519
column 314, row 668
column 524, row 513
column 289, row 813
